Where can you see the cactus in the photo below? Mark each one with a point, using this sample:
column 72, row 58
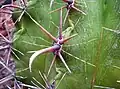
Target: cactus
column 92, row 56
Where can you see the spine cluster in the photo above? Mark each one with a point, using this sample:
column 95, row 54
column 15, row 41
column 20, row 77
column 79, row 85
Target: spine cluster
column 7, row 27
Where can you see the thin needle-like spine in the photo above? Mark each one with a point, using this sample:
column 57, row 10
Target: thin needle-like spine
column 4, row 11
column 19, row 18
column 6, row 67
column 64, row 62
column 8, row 87
column 79, row 10
column 57, row 9
column 5, row 47
column 47, row 83
column 34, row 84
column 42, row 28
column 6, row 40
column 51, row 65
column 15, row 55
column 3, row 80
column 43, row 79
column 10, row 5
column 23, row 3
column 79, row 59
column 38, row 82
column 29, row 86
column 66, row 16
column 60, row 80
column 68, row 38
column 60, row 28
